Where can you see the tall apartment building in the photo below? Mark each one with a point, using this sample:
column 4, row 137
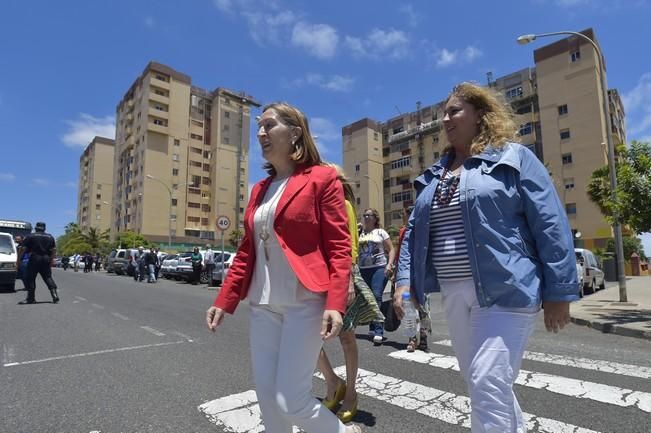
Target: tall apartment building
column 95, row 185
column 558, row 107
column 181, row 158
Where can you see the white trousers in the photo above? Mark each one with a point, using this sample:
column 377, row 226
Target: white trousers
column 285, row 345
column 489, row 344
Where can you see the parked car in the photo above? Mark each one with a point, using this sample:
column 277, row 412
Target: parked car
column 168, row 266
column 184, row 267
column 219, row 273
column 593, row 275
column 121, row 260
column 8, row 258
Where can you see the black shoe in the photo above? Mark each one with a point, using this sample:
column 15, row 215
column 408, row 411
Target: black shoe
column 55, row 296
column 27, row 301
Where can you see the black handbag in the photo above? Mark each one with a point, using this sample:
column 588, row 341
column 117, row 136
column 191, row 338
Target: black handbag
column 391, row 321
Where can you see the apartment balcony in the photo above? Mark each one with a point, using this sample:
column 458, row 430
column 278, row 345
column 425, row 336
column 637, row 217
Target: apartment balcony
column 155, row 97
column 162, row 129
column 129, row 118
column 420, row 129
column 160, row 83
column 130, row 104
column 158, row 113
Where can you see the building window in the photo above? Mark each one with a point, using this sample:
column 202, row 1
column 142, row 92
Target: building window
column 402, row 162
column 205, row 208
column 514, row 92
column 174, row 202
column 565, row 134
column 193, row 219
column 356, row 168
column 205, row 180
column 99, row 186
column 98, row 207
column 206, row 167
column 196, row 150
column 226, row 127
column 359, row 202
column 196, row 137
column 567, row 158
column 569, row 183
column 436, row 155
column 570, row 208
column 204, row 221
column 197, row 123
column 175, row 172
column 575, row 56
column 99, row 196
column 375, row 136
column 525, row 129
column 162, row 77
column 194, row 205
column 195, row 164
column 562, row 110
column 175, row 157
column 397, row 197
column 225, row 140
column 159, row 122
column 177, row 142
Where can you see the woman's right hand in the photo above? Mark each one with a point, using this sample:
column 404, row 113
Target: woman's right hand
column 397, row 300
column 214, row 317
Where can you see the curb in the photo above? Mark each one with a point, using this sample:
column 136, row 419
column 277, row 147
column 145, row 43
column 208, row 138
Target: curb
column 612, row 328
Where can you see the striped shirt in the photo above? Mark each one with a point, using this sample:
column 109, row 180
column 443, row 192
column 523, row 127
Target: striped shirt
column 448, row 248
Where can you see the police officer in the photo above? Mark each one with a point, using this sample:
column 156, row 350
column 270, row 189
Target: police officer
column 41, row 248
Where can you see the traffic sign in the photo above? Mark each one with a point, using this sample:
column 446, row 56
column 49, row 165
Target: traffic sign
column 223, row 222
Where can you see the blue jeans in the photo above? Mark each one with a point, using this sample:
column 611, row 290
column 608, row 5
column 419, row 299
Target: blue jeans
column 375, row 279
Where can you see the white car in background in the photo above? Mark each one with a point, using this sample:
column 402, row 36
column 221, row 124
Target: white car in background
column 8, row 258
column 593, row 276
column 168, row 266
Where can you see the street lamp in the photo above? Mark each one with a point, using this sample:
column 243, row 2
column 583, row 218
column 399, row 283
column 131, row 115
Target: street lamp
column 169, row 224
column 617, row 227
column 377, row 188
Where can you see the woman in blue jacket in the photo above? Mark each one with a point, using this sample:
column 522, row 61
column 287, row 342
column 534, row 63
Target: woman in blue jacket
column 489, row 232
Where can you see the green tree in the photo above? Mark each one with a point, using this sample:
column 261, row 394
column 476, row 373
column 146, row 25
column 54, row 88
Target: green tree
column 129, row 239
column 235, row 237
column 631, row 245
column 95, row 238
column 633, row 168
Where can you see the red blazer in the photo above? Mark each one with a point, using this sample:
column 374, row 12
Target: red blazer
column 312, row 229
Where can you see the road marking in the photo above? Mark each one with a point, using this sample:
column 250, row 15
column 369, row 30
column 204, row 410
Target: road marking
column 237, row 413
column 556, row 384
column 584, row 363
column 99, row 307
column 180, row 334
column 98, row 352
column 80, row 298
column 120, row 316
column 7, row 354
column 153, row 331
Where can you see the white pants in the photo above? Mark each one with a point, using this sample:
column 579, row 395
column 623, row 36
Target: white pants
column 285, row 345
column 489, row 344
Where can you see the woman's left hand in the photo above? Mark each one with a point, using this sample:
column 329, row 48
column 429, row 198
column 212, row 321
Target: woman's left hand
column 331, row 324
column 557, row 315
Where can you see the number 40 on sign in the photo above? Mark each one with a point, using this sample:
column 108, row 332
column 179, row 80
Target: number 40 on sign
column 223, row 223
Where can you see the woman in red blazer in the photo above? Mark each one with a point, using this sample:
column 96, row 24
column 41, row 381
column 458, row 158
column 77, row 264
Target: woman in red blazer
column 293, row 265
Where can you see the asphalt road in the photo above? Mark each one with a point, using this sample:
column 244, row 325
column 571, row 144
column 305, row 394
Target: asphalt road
column 119, row 356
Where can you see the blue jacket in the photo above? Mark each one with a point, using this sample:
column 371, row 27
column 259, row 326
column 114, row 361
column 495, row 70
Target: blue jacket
column 519, row 240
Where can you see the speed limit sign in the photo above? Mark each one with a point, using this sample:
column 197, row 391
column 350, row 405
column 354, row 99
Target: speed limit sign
column 223, row 223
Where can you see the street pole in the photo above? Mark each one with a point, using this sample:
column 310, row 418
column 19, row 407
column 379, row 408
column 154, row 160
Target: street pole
column 169, row 223
column 617, row 227
column 377, row 189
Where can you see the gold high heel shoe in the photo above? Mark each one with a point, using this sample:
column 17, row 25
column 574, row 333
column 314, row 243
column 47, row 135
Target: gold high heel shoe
column 347, row 416
column 340, row 392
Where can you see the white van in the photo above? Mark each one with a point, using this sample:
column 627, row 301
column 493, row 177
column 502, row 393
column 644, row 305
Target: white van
column 593, row 276
column 8, row 258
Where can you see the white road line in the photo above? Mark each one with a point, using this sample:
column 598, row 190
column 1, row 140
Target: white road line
column 98, row 352
column 99, row 307
column 237, row 413
column 180, row 334
column 438, row 404
column 584, row 363
column 120, row 316
column 7, row 354
column 80, row 298
column 153, row 331
column 556, row 384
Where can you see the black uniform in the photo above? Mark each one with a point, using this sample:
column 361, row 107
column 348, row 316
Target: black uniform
column 40, row 246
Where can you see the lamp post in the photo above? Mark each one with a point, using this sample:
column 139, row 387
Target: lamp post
column 617, row 227
column 377, row 188
column 169, row 225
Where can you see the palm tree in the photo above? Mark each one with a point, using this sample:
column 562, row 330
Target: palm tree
column 94, row 237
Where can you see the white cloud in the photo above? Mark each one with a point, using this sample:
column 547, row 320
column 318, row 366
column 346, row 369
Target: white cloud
column 83, row 130
column 444, row 57
column 150, row 22
column 637, row 105
column 380, row 44
column 224, row 5
column 413, row 18
column 267, row 28
column 334, row 83
column 7, row 177
column 327, row 134
column 39, row 181
column 320, row 40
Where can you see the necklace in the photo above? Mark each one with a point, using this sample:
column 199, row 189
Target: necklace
column 266, row 215
column 451, row 185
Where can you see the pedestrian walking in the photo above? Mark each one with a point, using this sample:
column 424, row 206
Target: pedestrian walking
column 376, row 259
column 98, row 262
column 497, row 243
column 139, row 264
column 150, row 265
column 196, row 259
column 159, row 261
column 209, row 261
column 41, row 248
column 294, row 266
column 21, row 265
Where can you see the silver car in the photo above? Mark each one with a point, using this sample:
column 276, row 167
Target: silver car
column 219, row 273
column 593, row 275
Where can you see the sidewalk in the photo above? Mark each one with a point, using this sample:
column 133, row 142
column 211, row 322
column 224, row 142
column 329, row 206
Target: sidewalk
column 603, row 311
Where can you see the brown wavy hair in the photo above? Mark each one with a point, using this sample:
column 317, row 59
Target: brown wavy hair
column 496, row 125
column 345, row 182
column 305, row 150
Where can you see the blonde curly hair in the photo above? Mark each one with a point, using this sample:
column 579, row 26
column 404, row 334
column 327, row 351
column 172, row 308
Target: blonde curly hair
column 496, row 125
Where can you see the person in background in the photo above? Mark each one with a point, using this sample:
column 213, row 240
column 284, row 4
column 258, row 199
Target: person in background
column 196, row 259
column 159, row 261
column 424, row 322
column 209, row 261
column 293, row 265
column 150, row 265
column 361, row 309
column 98, row 262
column 41, row 248
column 21, row 265
column 376, row 259
column 138, row 261
column 489, row 231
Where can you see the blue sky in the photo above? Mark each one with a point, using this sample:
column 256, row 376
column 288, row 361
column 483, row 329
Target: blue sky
column 66, row 64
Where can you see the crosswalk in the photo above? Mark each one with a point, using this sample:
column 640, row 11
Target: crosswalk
column 240, row 413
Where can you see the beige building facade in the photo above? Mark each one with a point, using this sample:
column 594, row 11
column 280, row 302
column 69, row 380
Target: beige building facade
column 558, row 109
column 95, row 185
column 181, row 158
